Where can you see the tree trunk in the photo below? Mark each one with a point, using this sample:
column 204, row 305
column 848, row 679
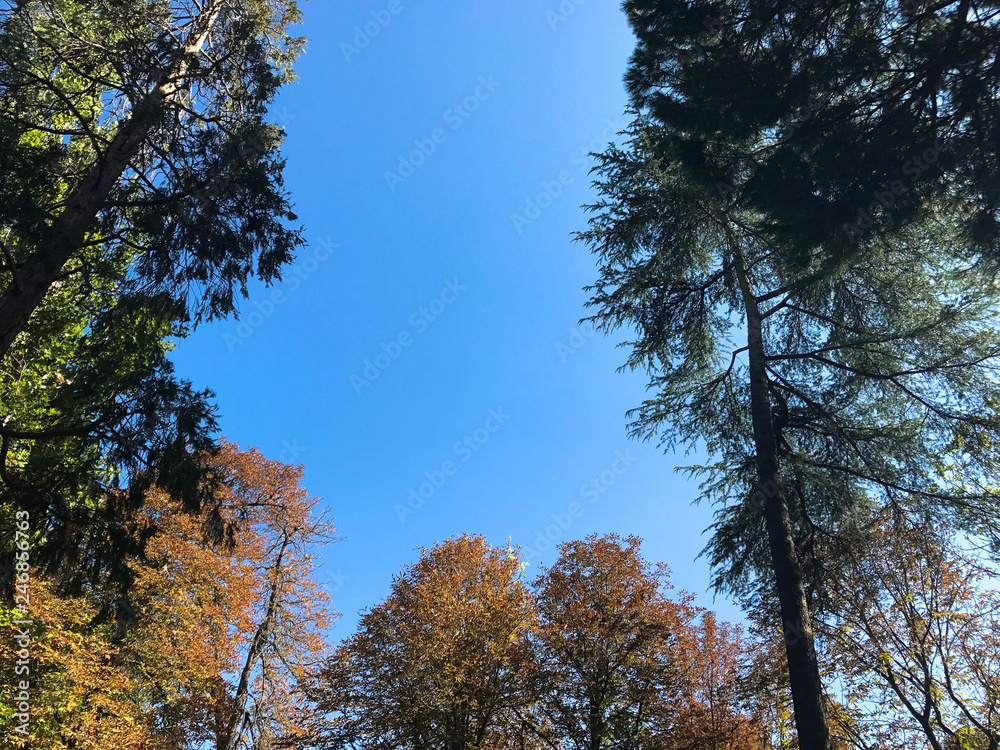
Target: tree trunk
column 227, row 740
column 800, row 649
column 64, row 237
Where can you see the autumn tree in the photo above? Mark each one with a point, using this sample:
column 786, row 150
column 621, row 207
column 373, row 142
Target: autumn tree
column 911, row 624
column 764, row 681
column 78, row 694
column 222, row 633
column 442, row 663
column 607, row 645
column 233, row 628
column 716, row 707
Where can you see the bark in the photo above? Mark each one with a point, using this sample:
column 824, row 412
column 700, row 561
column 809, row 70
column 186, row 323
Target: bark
column 803, row 666
column 227, row 740
column 67, row 232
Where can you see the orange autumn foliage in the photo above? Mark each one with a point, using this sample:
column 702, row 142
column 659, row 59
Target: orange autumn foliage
column 624, row 665
column 440, row 663
column 222, row 635
column 463, row 655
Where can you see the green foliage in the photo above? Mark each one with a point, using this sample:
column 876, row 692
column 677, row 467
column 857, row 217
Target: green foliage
column 807, row 112
column 140, row 187
column 874, row 367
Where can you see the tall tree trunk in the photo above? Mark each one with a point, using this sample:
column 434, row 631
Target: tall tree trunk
column 803, row 666
column 65, row 236
column 227, row 739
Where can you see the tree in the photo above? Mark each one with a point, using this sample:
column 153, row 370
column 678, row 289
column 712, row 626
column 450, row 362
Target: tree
column 253, row 602
column 829, row 120
column 77, row 696
column 441, row 663
column 144, row 125
column 222, row 633
column 857, row 376
column 913, row 627
column 608, row 645
column 715, row 709
column 764, row 681
column 91, row 403
column 141, row 187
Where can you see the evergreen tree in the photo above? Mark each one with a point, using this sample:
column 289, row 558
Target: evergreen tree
column 830, row 119
column 824, row 174
column 138, row 129
column 823, row 388
column 140, row 187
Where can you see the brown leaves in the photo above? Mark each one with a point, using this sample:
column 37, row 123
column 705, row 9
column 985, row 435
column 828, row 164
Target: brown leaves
column 225, row 631
column 912, row 629
column 462, row 656
column 621, row 664
column 440, row 662
column 79, row 698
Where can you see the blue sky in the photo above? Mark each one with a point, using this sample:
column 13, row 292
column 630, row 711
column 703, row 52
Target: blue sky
column 428, row 339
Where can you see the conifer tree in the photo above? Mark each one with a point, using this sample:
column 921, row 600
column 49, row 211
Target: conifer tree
column 823, row 390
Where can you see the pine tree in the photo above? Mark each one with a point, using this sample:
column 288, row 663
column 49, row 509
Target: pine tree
column 145, row 124
column 829, row 119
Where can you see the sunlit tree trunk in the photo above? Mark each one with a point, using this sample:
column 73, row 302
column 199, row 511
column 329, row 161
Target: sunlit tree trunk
column 67, row 232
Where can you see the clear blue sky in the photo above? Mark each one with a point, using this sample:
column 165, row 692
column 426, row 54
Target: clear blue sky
column 439, row 168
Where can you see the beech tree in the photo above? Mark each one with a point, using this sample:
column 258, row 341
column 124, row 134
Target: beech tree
column 608, row 646
column 442, row 663
column 254, row 602
column 912, row 625
column 822, row 389
column 716, row 707
column 222, row 633
column 78, row 696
